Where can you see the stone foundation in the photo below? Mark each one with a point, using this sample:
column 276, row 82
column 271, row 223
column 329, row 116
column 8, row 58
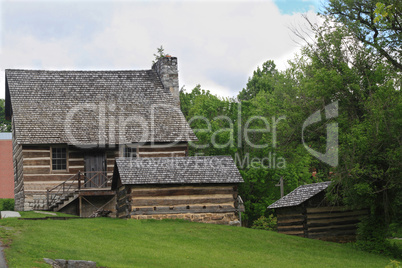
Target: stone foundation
column 35, row 202
column 19, row 201
column 215, row 218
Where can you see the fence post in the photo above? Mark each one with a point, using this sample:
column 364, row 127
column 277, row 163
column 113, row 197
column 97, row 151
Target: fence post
column 79, row 180
column 47, row 198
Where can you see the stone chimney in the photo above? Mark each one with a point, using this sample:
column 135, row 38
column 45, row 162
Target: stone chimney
column 166, row 68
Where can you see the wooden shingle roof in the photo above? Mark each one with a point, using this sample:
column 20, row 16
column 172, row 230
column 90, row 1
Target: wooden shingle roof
column 177, row 170
column 300, row 194
column 93, row 107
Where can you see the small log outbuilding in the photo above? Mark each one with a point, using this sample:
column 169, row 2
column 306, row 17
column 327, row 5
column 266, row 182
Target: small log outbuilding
column 305, row 212
column 200, row 189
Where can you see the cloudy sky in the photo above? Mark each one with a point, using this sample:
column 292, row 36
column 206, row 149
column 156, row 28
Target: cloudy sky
column 218, row 43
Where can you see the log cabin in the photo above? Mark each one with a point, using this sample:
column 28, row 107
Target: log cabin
column 200, row 189
column 68, row 127
column 305, row 212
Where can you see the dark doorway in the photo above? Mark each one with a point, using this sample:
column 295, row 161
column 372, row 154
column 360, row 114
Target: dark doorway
column 95, row 169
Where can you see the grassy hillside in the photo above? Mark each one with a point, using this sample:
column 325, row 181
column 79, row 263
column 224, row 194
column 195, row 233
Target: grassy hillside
column 132, row 243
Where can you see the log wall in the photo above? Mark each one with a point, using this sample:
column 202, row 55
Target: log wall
column 39, row 176
column 333, row 223
column 177, row 150
column 200, row 203
column 122, row 202
column 33, row 174
column 324, row 223
column 291, row 220
column 19, row 196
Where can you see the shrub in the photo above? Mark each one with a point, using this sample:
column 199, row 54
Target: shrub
column 371, row 237
column 265, row 223
column 6, row 204
column 395, row 230
column 393, row 264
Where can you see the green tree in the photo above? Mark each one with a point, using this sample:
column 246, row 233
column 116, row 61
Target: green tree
column 212, row 118
column 376, row 24
column 5, row 125
column 336, row 67
column 339, row 68
column 262, row 80
column 205, row 113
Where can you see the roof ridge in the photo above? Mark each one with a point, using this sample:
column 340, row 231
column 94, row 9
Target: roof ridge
column 291, row 199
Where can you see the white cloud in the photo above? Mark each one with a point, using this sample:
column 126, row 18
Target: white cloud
column 218, row 44
column 28, row 52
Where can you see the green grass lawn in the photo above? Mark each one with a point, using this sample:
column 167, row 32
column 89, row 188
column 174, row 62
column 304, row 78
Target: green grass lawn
column 134, row 243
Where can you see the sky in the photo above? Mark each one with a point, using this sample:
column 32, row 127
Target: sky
column 218, row 43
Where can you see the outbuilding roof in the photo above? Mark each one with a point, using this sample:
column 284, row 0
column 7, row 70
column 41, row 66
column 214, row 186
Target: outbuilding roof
column 176, row 170
column 300, row 194
column 92, row 107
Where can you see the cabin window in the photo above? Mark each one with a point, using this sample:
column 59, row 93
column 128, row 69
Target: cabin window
column 130, row 151
column 59, row 158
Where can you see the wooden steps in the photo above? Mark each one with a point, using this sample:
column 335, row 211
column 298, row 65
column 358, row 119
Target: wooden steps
column 65, row 201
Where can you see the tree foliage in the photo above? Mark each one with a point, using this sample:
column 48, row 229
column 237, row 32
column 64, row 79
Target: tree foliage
column 5, row 125
column 377, row 24
column 342, row 67
column 368, row 91
column 262, row 80
column 220, row 126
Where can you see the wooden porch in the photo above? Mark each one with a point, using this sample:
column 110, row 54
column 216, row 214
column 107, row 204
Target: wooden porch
column 84, row 194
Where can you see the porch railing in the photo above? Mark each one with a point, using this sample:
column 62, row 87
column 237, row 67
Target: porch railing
column 79, row 181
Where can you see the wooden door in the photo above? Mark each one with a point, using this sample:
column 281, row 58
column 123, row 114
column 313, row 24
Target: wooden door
column 95, row 169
